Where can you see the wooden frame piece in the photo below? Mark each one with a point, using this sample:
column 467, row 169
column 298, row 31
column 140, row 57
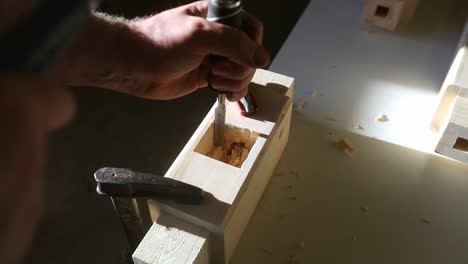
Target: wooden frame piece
column 454, row 138
column 389, row 14
column 209, row 233
column 455, row 81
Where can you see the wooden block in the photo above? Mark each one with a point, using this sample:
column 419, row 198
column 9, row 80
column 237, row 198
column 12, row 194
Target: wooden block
column 456, row 79
column 389, row 14
column 210, row 233
column 454, row 138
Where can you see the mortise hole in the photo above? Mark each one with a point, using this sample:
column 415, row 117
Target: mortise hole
column 381, row 11
column 461, row 144
column 238, row 143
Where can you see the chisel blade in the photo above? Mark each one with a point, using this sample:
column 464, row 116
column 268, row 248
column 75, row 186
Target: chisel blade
column 220, row 120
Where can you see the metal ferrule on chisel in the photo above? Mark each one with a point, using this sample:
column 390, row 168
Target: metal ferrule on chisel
column 226, row 12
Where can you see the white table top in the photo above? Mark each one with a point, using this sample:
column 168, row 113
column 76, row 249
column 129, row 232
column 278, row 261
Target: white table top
column 393, row 201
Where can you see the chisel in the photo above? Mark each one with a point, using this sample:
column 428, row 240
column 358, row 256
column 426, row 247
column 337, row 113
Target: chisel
column 227, row 12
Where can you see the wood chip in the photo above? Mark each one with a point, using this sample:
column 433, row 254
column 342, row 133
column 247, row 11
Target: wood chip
column 358, row 126
column 294, row 172
column 381, row 118
column 266, row 250
column 331, row 133
column 364, row 209
column 292, row 260
column 354, row 238
column 331, row 119
column 425, row 220
column 290, row 186
column 316, row 94
column 301, row 244
column 292, row 198
column 345, row 146
column 300, row 104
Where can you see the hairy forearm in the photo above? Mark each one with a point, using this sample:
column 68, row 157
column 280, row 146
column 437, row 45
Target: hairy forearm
column 107, row 54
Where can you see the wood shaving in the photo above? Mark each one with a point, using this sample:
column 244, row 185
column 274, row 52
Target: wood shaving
column 266, row 250
column 364, row 209
column 292, row 260
column 345, row 146
column 235, row 155
column 331, row 119
column 316, row 94
column 381, row 118
column 300, row 104
column 301, row 244
column 425, row 220
column 358, row 126
column 294, row 172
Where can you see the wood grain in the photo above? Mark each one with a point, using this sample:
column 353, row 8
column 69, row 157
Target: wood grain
column 214, row 228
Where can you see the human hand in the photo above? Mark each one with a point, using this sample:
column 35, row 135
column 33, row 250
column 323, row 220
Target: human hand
column 30, row 107
column 166, row 56
column 186, row 38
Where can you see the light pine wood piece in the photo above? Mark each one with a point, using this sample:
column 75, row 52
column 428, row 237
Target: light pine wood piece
column 454, row 138
column 456, row 79
column 209, row 233
column 389, row 14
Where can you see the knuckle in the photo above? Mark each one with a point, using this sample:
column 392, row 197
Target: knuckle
column 197, row 26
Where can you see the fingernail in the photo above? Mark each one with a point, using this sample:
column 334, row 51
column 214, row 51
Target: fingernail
column 261, row 57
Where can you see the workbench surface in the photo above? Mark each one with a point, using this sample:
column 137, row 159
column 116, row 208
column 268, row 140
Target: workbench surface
column 393, row 200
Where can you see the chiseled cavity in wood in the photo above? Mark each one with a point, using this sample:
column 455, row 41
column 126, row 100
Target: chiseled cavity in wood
column 237, row 145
